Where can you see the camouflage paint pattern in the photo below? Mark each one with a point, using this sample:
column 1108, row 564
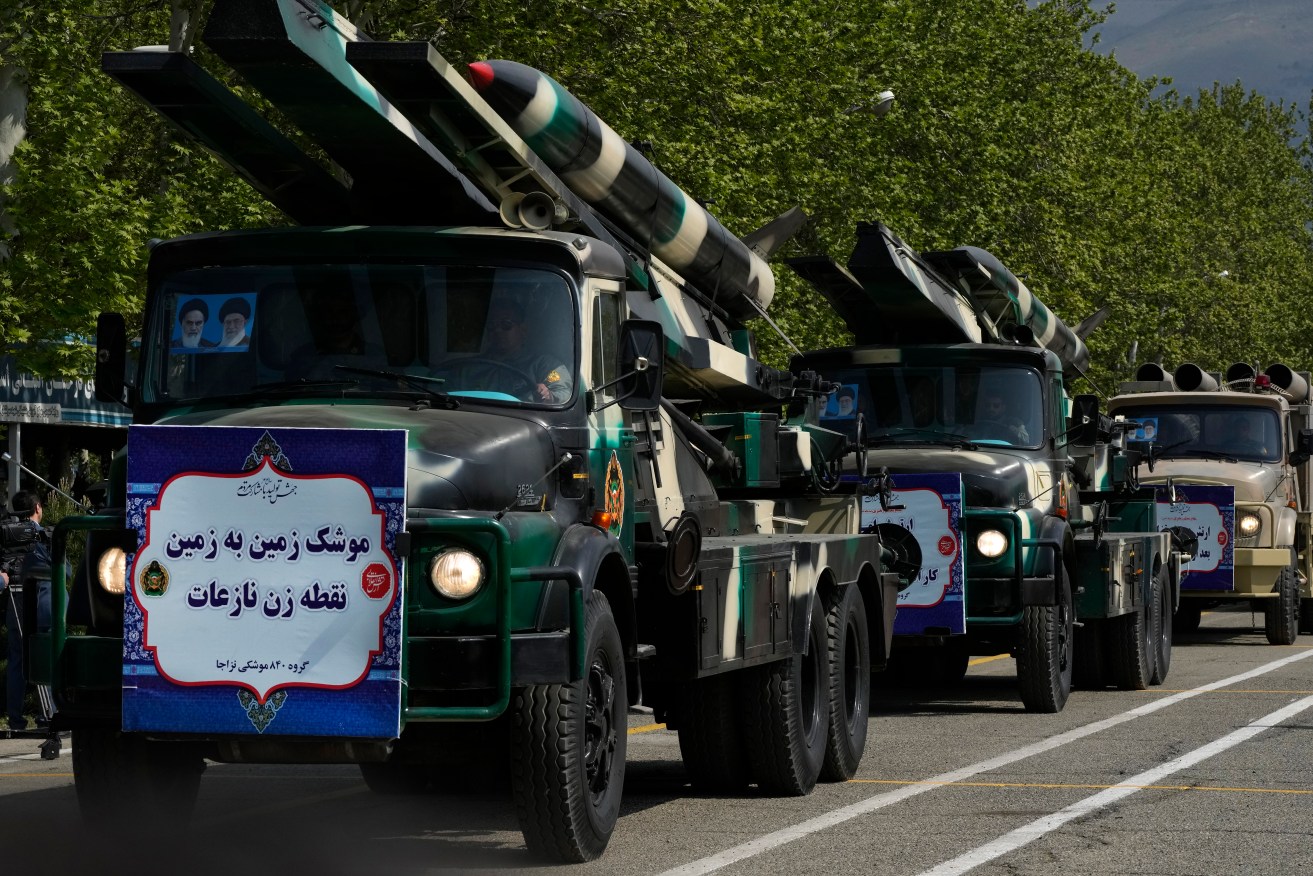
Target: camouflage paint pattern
column 609, row 173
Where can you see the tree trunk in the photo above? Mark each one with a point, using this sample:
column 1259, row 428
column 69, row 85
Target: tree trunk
column 182, row 30
column 13, row 128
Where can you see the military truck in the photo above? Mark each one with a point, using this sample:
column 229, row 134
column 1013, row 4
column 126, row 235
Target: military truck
column 1016, row 521
column 422, row 482
column 1229, row 454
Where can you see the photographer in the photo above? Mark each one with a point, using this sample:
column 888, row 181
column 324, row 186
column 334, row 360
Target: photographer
column 27, row 565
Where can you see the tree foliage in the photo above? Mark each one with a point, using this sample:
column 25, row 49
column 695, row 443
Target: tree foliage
column 1188, row 216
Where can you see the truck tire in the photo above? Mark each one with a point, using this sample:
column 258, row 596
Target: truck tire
column 1306, row 616
column 849, row 654
column 1187, row 617
column 1281, row 615
column 786, row 715
column 1087, row 671
column 1160, row 627
column 568, row 750
column 119, row 777
column 1129, row 648
column 710, row 738
column 395, row 779
column 1045, row 650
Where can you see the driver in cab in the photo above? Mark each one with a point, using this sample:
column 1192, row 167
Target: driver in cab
column 545, row 378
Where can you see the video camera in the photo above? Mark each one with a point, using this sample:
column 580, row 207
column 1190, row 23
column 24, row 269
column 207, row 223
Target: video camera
column 17, row 538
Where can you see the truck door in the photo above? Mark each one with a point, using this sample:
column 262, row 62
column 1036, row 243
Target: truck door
column 611, row 451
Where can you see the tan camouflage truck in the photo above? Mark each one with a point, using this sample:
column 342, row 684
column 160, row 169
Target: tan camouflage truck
column 1230, row 454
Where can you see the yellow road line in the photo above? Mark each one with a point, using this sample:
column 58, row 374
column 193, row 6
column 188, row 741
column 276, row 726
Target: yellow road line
column 1061, row 786
column 36, row 775
column 980, row 660
column 646, row 728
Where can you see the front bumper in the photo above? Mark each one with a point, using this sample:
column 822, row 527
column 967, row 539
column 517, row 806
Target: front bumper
column 448, row 678
column 1256, row 573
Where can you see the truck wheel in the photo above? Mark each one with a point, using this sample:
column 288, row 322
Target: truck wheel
column 119, row 777
column 786, row 714
column 1160, row 627
column 709, row 735
column 1281, row 615
column 395, row 779
column 1129, row 648
column 1087, row 671
column 568, row 750
column 1044, row 653
column 1306, row 616
column 1187, row 617
column 849, row 656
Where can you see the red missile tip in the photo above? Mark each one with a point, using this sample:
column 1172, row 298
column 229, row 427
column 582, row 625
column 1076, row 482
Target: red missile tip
column 481, row 75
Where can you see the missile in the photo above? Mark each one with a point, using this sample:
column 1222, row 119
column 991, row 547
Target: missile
column 1007, row 300
column 622, row 185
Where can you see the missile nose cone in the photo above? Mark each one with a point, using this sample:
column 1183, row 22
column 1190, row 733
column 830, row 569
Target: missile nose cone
column 481, row 75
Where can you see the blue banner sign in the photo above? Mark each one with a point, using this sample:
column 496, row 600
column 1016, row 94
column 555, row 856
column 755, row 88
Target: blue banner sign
column 925, row 509
column 28, row 398
column 1208, row 512
column 265, row 591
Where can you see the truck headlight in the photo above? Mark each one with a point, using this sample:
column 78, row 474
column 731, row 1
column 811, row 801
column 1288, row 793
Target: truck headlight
column 1249, row 525
column 456, row 573
column 112, row 571
column 991, row 543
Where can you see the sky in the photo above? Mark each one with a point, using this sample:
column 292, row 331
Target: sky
column 1264, row 44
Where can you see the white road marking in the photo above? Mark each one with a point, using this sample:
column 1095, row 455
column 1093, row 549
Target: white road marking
column 836, row 817
column 1029, row 833
column 8, row 758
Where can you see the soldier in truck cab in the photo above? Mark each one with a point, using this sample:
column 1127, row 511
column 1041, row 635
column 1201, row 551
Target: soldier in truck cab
column 999, row 423
column 1244, row 441
column 506, row 337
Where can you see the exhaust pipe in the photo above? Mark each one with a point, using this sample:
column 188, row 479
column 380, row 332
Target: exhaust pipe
column 1192, row 378
column 1293, row 387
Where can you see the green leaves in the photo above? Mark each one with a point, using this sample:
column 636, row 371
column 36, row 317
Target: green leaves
column 1007, row 133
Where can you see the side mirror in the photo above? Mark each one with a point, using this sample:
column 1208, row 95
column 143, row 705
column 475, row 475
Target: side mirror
column 642, row 365
column 1084, row 423
column 1303, row 447
column 111, row 357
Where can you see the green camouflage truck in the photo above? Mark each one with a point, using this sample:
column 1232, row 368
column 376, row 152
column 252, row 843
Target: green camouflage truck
column 427, row 480
column 1229, row 454
column 1013, row 509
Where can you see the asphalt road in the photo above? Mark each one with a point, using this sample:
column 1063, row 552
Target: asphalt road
column 1210, row 774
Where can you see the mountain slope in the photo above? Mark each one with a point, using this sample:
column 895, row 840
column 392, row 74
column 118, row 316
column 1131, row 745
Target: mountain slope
column 1262, row 43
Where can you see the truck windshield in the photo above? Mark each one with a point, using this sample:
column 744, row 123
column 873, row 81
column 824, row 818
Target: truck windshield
column 500, row 334
column 1000, row 405
column 1208, row 431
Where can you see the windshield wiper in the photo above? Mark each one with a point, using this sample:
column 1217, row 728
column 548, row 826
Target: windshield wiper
column 289, row 386
column 1160, row 450
column 954, row 438
column 417, row 381
column 1212, row 454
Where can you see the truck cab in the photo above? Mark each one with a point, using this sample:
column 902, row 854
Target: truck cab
column 1011, row 513
column 1234, row 450
column 995, row 415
